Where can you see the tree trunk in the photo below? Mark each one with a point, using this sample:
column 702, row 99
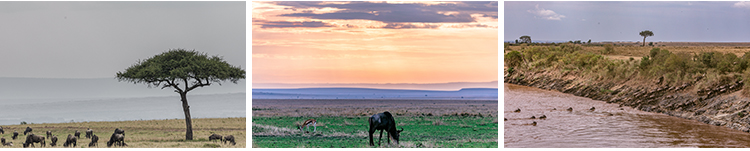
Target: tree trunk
column 644, row 41
column 188, row 122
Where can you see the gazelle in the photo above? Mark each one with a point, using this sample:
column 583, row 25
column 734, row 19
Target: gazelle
column 307, row 123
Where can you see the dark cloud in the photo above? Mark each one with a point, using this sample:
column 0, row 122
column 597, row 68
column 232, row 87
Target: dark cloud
column 397, row 13
column 408, row 26
column 287, row 24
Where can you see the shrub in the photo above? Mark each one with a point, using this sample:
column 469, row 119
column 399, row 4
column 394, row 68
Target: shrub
column 608, row 48
column 513, row 59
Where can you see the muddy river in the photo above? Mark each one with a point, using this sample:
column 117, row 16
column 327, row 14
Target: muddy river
column 608, row 125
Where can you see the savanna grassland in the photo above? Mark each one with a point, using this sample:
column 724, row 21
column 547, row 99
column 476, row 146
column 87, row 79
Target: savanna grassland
column 139, row 134
column 343, row 123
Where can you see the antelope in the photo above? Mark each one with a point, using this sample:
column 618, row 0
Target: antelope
column 307, row 123
column 383, row 121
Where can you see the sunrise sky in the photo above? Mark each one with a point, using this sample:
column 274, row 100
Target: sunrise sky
column 374, row 42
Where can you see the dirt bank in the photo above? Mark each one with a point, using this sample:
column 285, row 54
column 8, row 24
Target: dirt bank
column 721, row 106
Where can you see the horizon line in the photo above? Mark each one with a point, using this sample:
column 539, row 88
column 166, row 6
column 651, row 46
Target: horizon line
column 379, row 83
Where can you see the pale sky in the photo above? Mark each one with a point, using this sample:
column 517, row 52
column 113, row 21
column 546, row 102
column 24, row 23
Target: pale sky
column 98, row 39
column 374, row 42
column 678, row 21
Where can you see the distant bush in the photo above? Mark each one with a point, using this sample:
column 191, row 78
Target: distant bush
column 608, row 48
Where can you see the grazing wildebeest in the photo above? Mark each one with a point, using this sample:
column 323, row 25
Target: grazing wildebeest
column 15, row 135
column 307, row 124
column 116, row 139
column 1, row 130
column 71, row 140
column 384, row 121
column 4, row 143
column 78, row 134
column 94, row 140
column 31, row 139
column 28, row 130
column 230, row 139
column 119, row 131
column 49, row 134
column 215, row 137
column 53, row 141
column 89, row 132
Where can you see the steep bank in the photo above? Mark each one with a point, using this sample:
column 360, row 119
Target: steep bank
column 721, row 105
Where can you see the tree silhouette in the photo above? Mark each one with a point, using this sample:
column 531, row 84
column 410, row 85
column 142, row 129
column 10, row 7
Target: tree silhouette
column 525, row 39
column 645, row 34
column 177, row 66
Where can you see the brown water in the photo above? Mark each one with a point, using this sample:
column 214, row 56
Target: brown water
column 607, row 126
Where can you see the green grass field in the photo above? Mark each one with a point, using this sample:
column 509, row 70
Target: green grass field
column 351, row 132
column 139, row 134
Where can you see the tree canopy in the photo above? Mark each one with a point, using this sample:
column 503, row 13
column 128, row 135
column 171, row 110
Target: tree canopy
column 525, row 39
column 178, row 65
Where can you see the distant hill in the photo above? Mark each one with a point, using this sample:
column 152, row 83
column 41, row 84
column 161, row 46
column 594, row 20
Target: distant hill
column 49, row 88
column 403, row 86
column 369, row 93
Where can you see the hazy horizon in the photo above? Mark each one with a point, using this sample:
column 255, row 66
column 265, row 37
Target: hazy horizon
column 670, row 21
column 97, row 39
column 403, row 86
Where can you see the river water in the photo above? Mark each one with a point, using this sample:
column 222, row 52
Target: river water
column 607, row 126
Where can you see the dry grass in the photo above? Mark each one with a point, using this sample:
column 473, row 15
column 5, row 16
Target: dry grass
column 142, row 133
column 636, row 52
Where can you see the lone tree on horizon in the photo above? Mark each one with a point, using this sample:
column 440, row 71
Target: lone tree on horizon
column 192, row 69
column 525, row 39
column 645, row 34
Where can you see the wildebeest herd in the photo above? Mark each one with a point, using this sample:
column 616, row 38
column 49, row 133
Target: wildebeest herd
column 117, row 138
column 226, row 139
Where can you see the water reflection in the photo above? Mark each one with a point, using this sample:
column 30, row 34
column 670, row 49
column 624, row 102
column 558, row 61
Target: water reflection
column 609, row 125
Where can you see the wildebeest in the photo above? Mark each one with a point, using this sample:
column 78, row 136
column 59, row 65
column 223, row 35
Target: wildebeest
column 78, row 134
column 116, row 139
column 71, row 140
column 28, row 130
column 94, row 140
column 384, row 121
column 230, row 139
column 89, row 132
column 1, row 130
column 5, row 144
column 53, row 141
column 49, row 134
column 15, row 135
column 215, row 137
column 31, row 139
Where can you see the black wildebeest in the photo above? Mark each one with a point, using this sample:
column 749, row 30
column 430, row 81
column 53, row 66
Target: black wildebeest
column 15, row 135
column 116, row 139
column 49, row 134
column 28, row 130
column 230, row 139
column 1, row 130
column 31, row 139
column 94, row 140
column 71, row 140
column 384, row 121
column 89, row 132
column 53, row 141
column 215, row 137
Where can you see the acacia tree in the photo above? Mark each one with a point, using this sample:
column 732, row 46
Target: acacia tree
column 645, row 34
column 525, row 39
column 184, row 71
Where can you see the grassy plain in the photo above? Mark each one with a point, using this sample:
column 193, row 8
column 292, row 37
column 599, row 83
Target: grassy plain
column 343, row 123
column 139, row 134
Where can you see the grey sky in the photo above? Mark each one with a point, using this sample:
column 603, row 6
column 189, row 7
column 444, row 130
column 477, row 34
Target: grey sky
column 98, row 39
column 691, row 21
